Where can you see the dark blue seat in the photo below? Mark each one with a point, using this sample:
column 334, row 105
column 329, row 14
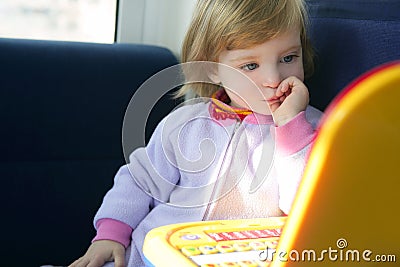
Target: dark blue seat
column 350, row 38
column 62, row 106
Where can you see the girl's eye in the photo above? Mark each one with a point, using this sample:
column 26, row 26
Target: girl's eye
column 288, row 59
column 250, row 66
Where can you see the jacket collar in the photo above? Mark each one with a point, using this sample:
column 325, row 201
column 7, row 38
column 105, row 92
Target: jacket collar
column 221, row 110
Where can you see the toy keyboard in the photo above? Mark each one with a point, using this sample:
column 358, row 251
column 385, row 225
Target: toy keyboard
column 249, row 242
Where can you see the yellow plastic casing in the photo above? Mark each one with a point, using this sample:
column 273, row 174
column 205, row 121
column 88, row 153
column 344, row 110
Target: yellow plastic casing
column 349, row 197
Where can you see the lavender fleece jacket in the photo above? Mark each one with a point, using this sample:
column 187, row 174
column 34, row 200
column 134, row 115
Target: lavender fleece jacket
column 176, row 177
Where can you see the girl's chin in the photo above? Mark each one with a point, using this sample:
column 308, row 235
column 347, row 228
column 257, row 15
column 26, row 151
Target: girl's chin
column 263, row 111
column 268, row 112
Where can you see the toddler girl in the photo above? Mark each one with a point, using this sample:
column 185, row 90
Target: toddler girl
column 240, row 152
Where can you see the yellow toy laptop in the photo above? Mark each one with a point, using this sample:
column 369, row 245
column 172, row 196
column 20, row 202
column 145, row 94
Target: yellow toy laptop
column 346, row 209
column 345, row 212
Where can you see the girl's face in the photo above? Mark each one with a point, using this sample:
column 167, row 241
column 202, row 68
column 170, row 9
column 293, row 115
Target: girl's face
column 266, row 65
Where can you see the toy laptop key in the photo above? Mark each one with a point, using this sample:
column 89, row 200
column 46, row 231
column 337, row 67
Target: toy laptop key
column 249, row 242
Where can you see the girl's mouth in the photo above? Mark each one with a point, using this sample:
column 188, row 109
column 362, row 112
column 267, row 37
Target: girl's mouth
column 272, row 100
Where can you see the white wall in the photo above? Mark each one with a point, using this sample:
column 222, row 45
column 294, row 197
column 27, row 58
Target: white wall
column 158, row 22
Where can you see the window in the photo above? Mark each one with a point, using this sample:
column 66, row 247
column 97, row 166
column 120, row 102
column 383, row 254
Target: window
column 157, row 22
column 67, row 20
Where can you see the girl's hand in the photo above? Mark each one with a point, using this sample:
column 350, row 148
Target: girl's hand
column 101, row 252
column 291, row 98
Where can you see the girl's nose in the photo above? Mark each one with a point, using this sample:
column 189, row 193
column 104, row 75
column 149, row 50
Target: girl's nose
column 271, row 78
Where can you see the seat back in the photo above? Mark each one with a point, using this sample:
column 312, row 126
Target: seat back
column 62, row 106
column 350, row 37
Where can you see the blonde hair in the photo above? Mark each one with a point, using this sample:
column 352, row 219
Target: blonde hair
column 236, row 24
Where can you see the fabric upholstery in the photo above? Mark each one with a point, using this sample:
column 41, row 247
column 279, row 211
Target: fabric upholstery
column 62, row 106
column 350, row 37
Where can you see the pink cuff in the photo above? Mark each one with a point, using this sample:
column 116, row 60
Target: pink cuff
column 110, row 229
column 294, row 135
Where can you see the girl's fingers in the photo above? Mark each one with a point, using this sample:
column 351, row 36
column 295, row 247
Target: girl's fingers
column 279, row 92
column 274, row 106
column 283, row 89
column 119, row 258
column 283, row 93
column 79, row 262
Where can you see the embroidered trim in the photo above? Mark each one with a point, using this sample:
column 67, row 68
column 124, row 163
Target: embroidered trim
column 220, row 109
